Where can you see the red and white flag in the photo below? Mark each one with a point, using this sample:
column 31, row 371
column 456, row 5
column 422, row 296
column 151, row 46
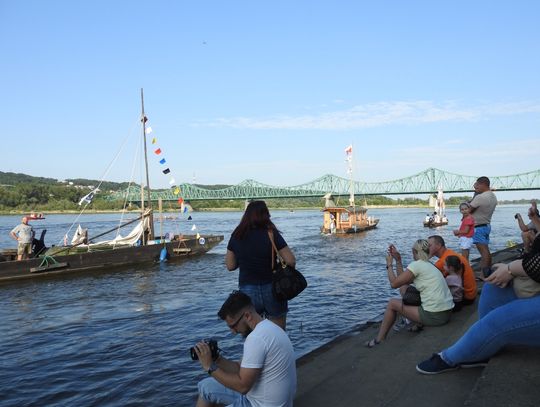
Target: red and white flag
column 348, row 150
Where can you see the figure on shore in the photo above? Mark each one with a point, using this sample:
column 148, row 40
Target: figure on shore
column 482, row 207
column 437, row 248
column 528, row 231
column 465, row 232
column 436, row 299
column 266, row 376
column 508, row 315
column 250, row 250
column 24, row 235
column 453, row 267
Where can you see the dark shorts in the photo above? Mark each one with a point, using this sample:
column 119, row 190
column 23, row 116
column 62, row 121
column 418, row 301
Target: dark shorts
column 264, row 301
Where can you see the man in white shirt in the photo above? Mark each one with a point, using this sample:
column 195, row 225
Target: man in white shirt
column 266, row 376
column 24, row 235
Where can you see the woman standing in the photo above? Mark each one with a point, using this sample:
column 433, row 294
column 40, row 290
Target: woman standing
column 437, row 302
column 250, row 250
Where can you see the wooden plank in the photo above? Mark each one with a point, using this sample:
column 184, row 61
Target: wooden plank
column 49, row 267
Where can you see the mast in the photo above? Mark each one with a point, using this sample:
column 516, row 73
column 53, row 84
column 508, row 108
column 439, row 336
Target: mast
column 350, row 171
column 150, row 216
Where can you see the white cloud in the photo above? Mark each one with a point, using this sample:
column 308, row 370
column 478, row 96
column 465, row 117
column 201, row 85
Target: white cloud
column 380, row 114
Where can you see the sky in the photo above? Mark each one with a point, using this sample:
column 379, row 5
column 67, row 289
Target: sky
column 272, row 91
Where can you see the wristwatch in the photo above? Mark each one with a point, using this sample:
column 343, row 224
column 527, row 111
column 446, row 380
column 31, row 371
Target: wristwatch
column 212, row 369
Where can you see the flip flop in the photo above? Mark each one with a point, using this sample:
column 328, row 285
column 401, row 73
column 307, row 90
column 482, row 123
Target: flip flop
column 372, row 343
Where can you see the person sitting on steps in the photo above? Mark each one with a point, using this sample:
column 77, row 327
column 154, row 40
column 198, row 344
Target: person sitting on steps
column 437, row 303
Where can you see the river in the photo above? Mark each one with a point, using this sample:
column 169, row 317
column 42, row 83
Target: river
column 122, row 338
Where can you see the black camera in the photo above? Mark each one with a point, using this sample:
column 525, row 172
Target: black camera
column 212, row 343
column 516, row 216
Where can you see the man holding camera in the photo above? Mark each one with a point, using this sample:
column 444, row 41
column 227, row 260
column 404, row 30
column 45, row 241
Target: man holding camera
column 528, row 231
column 267, row 374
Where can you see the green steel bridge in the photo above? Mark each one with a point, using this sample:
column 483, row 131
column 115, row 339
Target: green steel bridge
column 425, row 182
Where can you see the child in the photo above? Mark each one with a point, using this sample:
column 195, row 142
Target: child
column 466, row 230
column 453, row 267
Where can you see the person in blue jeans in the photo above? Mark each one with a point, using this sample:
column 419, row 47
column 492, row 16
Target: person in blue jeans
column 504, row 319
column 250, row 250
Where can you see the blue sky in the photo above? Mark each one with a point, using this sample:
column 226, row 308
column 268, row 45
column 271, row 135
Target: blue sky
column 272, row 91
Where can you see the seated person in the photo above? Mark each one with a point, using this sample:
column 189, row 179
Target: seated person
column 437, row 303
column 437, row 247
column 528, row 231
column 504, row 317
column 453, row 267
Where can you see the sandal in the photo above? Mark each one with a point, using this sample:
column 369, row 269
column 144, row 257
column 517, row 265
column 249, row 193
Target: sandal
column 372, row 343
column 416, row 328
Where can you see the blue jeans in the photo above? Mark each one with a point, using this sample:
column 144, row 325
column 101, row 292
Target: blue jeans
column 213, row 391
column 264, row 301
column 504, row 320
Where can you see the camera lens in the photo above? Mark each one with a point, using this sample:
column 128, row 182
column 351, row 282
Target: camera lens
column 193, row 354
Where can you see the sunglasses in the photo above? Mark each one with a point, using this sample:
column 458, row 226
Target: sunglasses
column 233, row 326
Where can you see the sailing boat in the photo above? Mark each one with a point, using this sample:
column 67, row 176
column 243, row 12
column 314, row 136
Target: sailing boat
column 343, row 219
column 438, row 217
column 140, row 246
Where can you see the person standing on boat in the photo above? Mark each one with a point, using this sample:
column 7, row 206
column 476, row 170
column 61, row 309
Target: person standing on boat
column 250, row 250
column 24, row 234
column 482, row 207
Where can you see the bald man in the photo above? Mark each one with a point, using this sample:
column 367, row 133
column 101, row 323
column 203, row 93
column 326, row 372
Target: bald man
column 23, row 234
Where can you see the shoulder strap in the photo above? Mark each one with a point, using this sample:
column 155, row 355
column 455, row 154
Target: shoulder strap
column 274, row 249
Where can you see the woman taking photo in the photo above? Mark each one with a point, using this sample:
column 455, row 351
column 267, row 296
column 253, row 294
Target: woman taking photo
column 437, row 303
column 250, row 250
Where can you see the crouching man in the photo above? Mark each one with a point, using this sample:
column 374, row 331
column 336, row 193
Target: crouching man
column 266, row 376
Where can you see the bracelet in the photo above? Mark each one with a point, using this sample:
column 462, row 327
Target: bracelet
column 510, row 271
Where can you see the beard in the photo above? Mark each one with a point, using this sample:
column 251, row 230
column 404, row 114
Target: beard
column 246, row 333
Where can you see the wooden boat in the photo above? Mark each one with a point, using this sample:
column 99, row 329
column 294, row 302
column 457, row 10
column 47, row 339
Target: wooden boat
column 140, row 246
column 339, row 220
column 438, row 217
column 342, row 219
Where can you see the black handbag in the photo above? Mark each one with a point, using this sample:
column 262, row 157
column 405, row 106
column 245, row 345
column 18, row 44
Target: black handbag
column 412, row 296
column 287, row 282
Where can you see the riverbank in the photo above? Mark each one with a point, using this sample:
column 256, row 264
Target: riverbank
column 346, row 373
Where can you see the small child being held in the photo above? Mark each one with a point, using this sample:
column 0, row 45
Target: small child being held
column 466, row 230
column 454, row 270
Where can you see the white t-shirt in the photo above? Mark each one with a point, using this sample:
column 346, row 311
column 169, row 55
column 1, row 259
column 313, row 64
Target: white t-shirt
column 268, row 347
column 433, row 289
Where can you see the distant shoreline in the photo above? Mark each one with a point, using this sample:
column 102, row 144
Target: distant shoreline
column 62, row 212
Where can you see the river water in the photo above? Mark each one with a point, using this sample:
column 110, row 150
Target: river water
column 122, row 338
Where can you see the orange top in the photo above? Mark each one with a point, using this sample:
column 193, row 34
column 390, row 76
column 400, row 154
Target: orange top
column 469, row 281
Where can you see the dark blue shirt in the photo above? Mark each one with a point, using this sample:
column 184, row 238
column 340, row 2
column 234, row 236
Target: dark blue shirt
column 254, row 255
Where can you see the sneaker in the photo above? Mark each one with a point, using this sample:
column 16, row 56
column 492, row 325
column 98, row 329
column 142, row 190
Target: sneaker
column 400, row 324
column 434, row 365
column 479, row 363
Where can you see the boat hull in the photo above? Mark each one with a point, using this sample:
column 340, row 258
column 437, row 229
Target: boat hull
column 343, row 231
column 434, row 224
column 106, row 259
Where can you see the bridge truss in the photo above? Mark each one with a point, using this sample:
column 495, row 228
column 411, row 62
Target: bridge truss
column 425, row 182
